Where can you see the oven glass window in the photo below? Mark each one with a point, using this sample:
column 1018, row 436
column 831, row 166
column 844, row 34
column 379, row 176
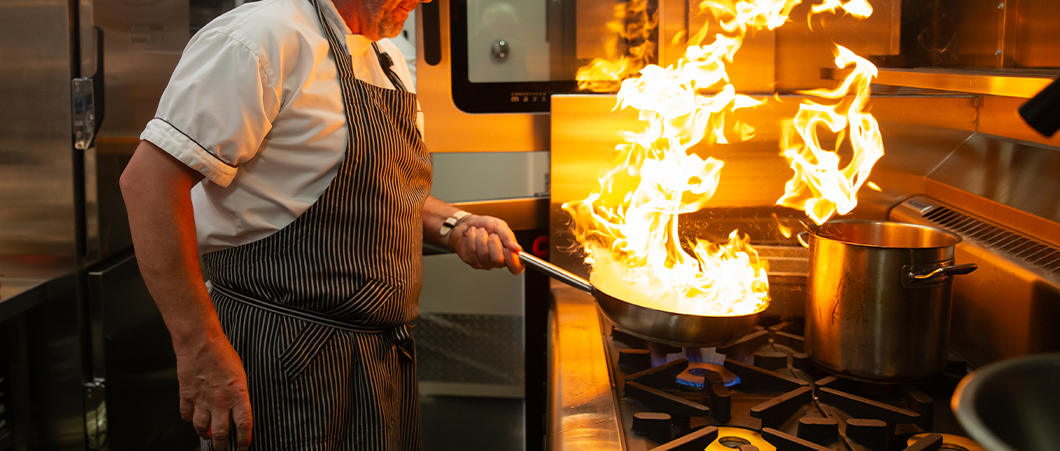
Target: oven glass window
column 507, row 41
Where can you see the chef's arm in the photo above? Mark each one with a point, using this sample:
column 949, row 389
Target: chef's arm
column 484, row 242
column 156, row 188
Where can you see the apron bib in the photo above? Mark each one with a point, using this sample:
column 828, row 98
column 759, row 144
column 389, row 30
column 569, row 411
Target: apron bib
column 318, row 310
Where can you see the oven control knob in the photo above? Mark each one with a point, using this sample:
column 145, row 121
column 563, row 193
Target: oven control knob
column 500, row 50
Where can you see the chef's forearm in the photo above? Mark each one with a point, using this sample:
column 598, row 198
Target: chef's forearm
column 156, row 188
column 435, row 212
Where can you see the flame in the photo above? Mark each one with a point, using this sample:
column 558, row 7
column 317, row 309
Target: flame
column 784, row 230
column 820, row 187
column 857, row 8
column 754, row 14
column 631, row 238
column 874, row 187
column 632, row 23
column 629, row 228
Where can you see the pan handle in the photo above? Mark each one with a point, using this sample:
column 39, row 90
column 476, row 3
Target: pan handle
column 555, row 272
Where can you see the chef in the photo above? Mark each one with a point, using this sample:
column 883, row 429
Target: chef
column 286, row 155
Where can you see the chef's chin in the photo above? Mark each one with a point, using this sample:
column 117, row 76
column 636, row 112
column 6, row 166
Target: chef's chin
column 391, row 24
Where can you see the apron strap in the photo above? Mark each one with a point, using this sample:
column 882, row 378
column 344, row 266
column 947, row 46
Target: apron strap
column 399, row 335
column 387, row 63
column 300, row 313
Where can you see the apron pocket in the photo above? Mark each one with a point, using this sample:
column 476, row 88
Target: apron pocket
column 369, row 299
column 305, row 347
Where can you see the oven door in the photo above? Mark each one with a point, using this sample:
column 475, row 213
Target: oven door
column 486, row 69
column 506, row 56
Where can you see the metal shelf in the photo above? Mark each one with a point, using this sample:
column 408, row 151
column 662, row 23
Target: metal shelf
column 1024, row 83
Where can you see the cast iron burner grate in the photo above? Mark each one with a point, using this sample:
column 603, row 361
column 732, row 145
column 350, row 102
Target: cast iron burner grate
column 766, row 394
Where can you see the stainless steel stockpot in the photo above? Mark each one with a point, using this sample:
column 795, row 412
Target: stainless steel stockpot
column 878, row 299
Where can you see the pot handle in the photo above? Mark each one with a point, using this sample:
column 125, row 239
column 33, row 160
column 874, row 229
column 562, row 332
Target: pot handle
column 914, row 277
column 802, row 238
column 946, row 271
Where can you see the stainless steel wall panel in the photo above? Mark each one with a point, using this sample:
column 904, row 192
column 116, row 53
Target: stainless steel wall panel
column 673, row 16
column 804, row 47
column 465, row 177
column 1038, row 37
column 143, row 42
column 1008, row 26
column 36, row 153
column 593, row 35
column 912, row 151
column 1008, row 172
column 754, row 69
column 978, row 27
column 998, row 116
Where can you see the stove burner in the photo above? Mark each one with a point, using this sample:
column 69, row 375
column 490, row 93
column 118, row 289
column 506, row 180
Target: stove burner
column 731, row 438
column 698, row 374
column 951, row 442
column 763, row 393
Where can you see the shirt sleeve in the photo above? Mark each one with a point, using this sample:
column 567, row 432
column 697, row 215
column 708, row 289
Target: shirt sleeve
column 218, row 107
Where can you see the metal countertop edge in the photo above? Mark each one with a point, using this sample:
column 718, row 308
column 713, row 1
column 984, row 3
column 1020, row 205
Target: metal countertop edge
column 31, row 293
column 582, row 408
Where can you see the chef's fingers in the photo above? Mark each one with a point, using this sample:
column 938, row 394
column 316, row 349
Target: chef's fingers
column 498, row 227
column 512, row 261
column 187, row 409
column 471, row 247
column 508, row 238
column 482, row 246
column 219, row 430
column 496, row 251
column 506, row 235
column 201, row 422
column 243, row 423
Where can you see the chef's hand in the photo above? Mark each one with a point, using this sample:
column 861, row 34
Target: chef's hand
column 213, row 392
column 485, row 242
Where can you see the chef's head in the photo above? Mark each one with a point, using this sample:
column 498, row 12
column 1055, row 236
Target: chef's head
column 376, row 19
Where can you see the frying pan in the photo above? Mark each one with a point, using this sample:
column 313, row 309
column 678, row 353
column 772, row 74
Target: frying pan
column 677, row 329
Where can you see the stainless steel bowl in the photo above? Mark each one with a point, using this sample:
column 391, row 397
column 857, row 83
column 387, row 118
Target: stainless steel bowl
column 1013, row 404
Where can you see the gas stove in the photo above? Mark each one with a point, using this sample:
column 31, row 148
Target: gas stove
column 764, row 393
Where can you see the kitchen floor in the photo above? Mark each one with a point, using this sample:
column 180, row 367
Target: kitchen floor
column 462, row 423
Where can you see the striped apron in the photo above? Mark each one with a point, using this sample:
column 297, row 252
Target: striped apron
column 318, row 310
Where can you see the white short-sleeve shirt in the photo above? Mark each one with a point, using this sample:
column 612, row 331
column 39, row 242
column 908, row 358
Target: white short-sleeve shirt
column 255, row 106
